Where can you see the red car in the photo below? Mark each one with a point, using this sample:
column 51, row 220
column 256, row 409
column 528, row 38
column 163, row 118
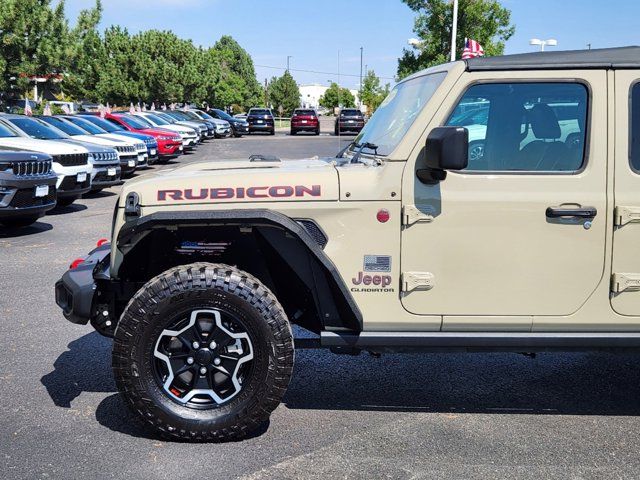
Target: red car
column 304, row 120
column 169, row 142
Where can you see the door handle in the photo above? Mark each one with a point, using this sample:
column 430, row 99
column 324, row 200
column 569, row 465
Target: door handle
column 582, row 212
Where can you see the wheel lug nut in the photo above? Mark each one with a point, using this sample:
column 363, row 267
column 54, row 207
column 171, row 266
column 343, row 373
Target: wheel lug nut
column 195, row 345
column 190, row 360
column 216, row 361
column 203, row 370
column 213, row 345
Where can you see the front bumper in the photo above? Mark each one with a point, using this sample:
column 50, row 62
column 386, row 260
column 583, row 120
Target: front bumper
column 71, row 187
column 19, row 198
column 170, row 148
column 76, row 289
column 105, row 175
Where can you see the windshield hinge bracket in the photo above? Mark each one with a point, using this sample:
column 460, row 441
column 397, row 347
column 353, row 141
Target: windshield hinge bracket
column 411, row 215
column 417, row 281
column 625, row 281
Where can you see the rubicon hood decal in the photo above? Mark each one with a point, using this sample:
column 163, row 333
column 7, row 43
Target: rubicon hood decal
column 227, row 193
column 240, row 182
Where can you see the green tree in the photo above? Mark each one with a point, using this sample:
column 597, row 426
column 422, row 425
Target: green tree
column 485, row 21
column 34, row 38
column 283, row 91
column 372, row 92
column 237, row 62
column 337, row 96
column 86, row 55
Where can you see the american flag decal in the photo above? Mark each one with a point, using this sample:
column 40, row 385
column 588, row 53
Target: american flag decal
column 377, row 263
column 472, row 49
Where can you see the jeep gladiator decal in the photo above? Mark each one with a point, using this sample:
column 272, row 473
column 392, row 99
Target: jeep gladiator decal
column 378, row 283
column 228, row 193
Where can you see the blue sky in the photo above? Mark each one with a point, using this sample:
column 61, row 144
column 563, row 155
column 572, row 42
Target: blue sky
column 312, row 32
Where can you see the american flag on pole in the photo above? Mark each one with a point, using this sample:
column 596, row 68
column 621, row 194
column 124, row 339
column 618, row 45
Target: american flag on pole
column 132, row 109
column 153, row 106
column 27, row 107
column 103, row 112
column 472, row 49
column 108, row 109
column 47, row 110
column 65, row 109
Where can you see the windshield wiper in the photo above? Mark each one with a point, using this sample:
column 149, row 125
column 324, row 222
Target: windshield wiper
column 367, row 145
column 344, row 150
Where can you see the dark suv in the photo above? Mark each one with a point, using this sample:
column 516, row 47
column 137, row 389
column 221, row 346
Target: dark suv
column 349, row 120
column 27, row 187
column 238, row 126
column 261, row 120
column 304, row 120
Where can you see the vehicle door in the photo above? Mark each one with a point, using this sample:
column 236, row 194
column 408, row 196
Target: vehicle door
column 625, row 284
column 521, row 230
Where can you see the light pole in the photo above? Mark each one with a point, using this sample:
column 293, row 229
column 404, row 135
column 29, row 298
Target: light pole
column 288, row 58
column 360, row 90
column 552, row 42
column 454, row 30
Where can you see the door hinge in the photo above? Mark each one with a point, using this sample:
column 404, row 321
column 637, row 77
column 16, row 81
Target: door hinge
column 624, row 215
column 625, row 281
column 417, row 281
column 411, row 215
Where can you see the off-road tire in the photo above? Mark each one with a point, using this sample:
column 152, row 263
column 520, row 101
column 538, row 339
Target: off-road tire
column 272, row 132
column 196, row 286
column 293, row 132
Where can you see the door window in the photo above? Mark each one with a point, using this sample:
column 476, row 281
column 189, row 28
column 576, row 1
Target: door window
column 528, row 127
column 634, row 130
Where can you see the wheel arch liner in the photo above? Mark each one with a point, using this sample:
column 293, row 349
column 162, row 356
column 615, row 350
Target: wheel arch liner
column 136, row 229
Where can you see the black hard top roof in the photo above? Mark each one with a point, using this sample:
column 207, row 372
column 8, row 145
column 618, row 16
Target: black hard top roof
column 601, row 58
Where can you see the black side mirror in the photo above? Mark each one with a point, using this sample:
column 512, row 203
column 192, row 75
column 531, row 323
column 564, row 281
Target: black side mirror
column 447, row 148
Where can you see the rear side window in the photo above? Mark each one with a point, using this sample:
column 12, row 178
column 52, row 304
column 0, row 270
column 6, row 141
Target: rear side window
column 259, row 111
column 529, row 127
column 634, row 130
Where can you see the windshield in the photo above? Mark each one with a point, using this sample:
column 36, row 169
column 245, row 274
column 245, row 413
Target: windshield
column 351, row 113
column 206, row 115
column 66, row 127
column 104, row 124
column 135, row 122
column 6, row 132
column 155, row 119
column 311, row 113
column 38, row 129
column 397, row 113
column 86, row 125
column 222, row 115
column 167, row 118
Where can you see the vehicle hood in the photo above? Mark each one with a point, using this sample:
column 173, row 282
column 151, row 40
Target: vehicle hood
column 237, row 182
column 52, row 147
column 195, row 125
column 98, row 140
column 117, row 139
column 158, row 131
column 90, row 146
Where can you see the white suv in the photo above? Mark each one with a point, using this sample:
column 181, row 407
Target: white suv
column 70, row 162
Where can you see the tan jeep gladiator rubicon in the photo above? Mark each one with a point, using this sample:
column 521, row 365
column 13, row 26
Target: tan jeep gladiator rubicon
column 490, row 204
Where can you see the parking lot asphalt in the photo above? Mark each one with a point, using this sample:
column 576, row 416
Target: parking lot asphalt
column 432, row 416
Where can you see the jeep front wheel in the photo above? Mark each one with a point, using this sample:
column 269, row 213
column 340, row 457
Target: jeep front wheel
column 203, row 352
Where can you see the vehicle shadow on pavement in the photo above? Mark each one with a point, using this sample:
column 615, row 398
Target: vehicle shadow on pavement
column 74, row 207
column 100, row 194
column 86, row 367
column 38, row 227
column 550, row 383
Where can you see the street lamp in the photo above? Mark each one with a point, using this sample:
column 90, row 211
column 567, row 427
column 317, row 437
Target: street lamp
column 552, row 42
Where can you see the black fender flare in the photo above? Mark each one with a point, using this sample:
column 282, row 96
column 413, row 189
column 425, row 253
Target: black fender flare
column 136, row 228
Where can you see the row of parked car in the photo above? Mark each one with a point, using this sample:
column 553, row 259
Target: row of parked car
column 304, row 120
column 53, row 160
